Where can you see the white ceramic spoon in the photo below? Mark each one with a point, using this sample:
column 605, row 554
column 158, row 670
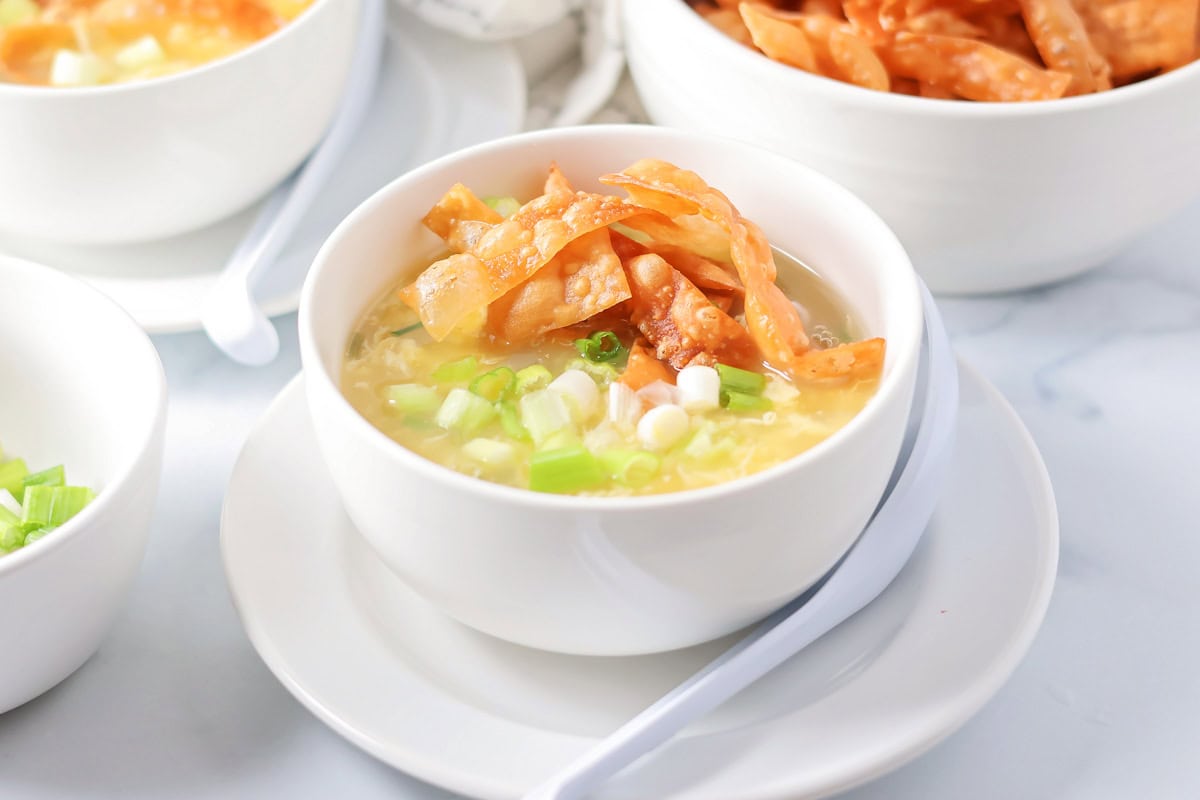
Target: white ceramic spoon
column 231, row 316
column 874, row 561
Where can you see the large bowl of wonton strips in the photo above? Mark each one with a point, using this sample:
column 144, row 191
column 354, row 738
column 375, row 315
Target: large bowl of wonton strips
column 133, row 120
column 610, row 390
column 1008, row 143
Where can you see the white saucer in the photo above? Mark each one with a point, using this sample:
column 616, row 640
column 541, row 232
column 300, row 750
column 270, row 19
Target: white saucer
column 489, row 719
column 437, row 93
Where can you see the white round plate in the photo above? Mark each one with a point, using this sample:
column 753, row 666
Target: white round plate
column 437, row 93
column 490, row 719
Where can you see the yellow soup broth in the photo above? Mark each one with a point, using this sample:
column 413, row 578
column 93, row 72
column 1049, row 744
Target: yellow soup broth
column 388, row 347
column 73, row 43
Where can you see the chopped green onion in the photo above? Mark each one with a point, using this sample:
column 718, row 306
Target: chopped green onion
column 632, row 468
column 416, row 326
column 564, row 470
column 35, row 534
column 11, row 537
column 8, row 518
column 496, row 385
column 535, row 376
column 464, row 412
column 738, row 401
column 544, row 413
column 12, row 477
column 560, row 439
column 741, row 380
column 601, row 346
column 459, row 371
column 510, row 420
column 603, row 373
column 504, row 206
column 51, row 506
column 491, row 453
column 412, row 398
column 55, row 476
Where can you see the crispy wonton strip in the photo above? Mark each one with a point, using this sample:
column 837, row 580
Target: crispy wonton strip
column 1062, row 41
column 777, row 38
column 696, row 233
column 1139, row 36
column 853, row 360
column 584, row 279
column 697, row 269
column 461, row 218
column 729, row 22
column 681, row 323
column 643, row 368
column 773, row 321
column 508, row 253
column 972, row 69
column 556, row 182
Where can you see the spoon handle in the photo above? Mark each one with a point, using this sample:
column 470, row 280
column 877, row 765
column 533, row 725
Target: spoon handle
column 870, row 566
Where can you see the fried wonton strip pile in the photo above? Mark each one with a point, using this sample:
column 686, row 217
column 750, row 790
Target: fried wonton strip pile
column 504, row 255
column 684, row 327
column 989, row 50
column 585, row 278
column 773, row 322
column 644, row 368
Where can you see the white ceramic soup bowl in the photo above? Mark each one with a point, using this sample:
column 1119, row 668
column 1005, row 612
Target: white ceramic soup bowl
column 611, row 576
column 984, row 196
column 83, row 387
column 151, row 159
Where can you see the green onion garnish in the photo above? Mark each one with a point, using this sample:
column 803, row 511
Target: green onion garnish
column 464, row 412
column 544, row 413
column 740, row 401
column 12, row 477
column 535, row 376
column 603, row 373
column 499, row 384
column 416, row 326
column 566, row 469
column 459, row 371
column 51, row 506
column 11, row 537
column 504, row 206
column 632, row 468
column 510, row 420
column 740, row 380
column 412, row 398
column 601, row 346
column 55, row 476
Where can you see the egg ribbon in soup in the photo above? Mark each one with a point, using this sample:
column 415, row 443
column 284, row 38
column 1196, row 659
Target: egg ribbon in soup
column 584, row 343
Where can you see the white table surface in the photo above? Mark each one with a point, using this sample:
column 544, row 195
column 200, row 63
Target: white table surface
column 1105, row 371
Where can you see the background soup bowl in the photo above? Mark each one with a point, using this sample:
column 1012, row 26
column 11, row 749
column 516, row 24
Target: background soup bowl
column 984, row 196
column 150, row 159
column 610, row 576
column 82, row 387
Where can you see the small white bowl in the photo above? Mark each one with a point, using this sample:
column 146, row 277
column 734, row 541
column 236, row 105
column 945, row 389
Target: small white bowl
column 83, row 387
column 984, row 196
column 612, row 576
column 151, row 159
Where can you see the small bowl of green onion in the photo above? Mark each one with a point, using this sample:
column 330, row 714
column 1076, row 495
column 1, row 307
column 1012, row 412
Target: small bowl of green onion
column 81, row 425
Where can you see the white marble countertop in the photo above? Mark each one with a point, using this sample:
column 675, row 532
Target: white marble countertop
column 1105, row 371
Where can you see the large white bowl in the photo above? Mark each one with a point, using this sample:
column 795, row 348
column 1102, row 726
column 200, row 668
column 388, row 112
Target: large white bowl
column 145, row 160
column 606, row 575
column 82, row 387
column 984, row 196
